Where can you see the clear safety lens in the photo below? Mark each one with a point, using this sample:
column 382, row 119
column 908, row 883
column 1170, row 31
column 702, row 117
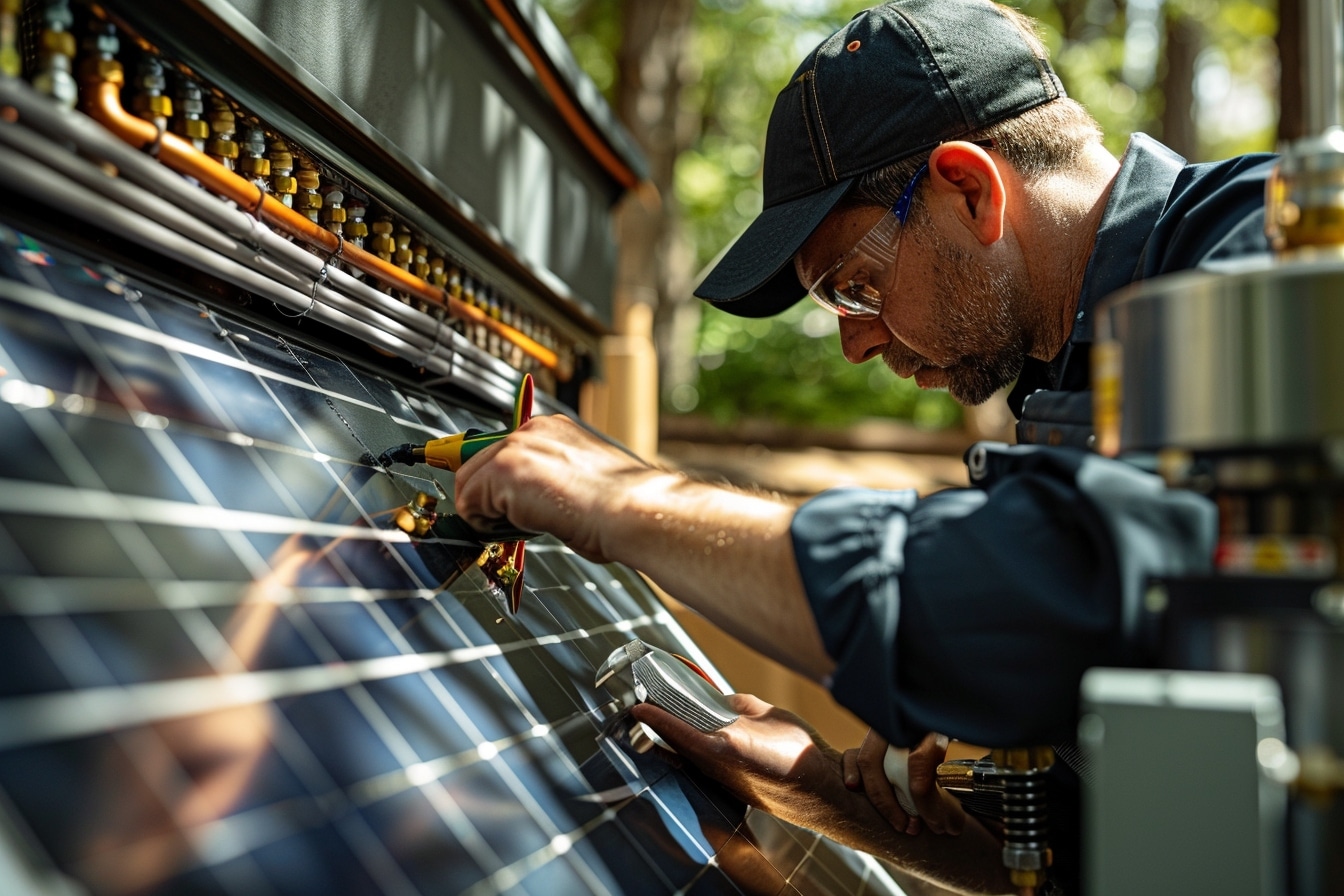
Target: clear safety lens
column 855, row 285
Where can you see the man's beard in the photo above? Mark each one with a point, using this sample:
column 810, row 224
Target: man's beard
column 975, row 310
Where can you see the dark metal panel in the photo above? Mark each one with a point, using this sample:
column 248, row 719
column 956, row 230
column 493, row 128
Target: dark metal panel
column 432, row 81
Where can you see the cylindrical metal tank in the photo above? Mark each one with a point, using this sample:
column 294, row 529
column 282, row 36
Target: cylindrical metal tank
column 1211, row 361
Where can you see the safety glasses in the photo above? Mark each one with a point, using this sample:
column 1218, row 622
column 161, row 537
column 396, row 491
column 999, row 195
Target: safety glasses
column 855, row 285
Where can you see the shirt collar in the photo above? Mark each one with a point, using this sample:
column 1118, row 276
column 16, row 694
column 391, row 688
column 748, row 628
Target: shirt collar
column 1147, row 174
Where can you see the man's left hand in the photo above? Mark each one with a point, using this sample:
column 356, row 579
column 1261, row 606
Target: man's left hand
column 769, row 758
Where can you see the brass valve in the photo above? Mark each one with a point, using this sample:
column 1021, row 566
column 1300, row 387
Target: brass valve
column 190, row 106
column 356, row 229
column 381, row 242
column 150, row 102
column 283, row 184
column 333, row 215
column 223, row 124
column 402, row 256
column 307, row 199
column 253, row 161
column 417, row 518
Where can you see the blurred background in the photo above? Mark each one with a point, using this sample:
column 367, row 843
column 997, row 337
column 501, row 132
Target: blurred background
column 772, row 403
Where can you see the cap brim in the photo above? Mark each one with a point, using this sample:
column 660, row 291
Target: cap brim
column 754, row 278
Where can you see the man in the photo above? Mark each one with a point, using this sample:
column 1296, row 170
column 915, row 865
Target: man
column 928, row 180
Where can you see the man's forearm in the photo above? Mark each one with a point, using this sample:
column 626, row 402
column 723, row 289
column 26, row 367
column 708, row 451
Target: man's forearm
column 968, row 863
column 726, row 554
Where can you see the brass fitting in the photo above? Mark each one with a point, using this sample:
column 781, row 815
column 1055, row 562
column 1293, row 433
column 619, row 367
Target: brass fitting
column 255, row 166
column 58, row 43
column 195, row 129
column 381, row 243
column 417, row 518
column 1024, row 759
column 94, row 69
column 153, row 105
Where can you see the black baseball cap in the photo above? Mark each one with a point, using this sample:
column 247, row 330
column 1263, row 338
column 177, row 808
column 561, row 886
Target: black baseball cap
column 896, row 81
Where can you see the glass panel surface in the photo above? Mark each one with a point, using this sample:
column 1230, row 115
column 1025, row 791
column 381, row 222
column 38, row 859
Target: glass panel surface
column 224, row 670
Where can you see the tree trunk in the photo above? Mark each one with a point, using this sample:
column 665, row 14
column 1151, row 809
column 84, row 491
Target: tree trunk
column 1292, row 90
column 652, row 61
column 1184, row 38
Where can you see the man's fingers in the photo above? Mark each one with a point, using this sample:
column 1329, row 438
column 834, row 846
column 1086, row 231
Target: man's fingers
column 849, row 767
column 883, row 798
column 682, row 737
column 869, row 760
column 941, row 811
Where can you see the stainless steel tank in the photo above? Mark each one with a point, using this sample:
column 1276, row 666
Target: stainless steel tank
column 1251, row 359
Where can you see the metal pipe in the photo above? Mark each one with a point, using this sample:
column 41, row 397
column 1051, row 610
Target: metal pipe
column 102, row 101
column 1321, row 44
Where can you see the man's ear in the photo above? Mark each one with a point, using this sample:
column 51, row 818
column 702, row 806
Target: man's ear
column 965, row 174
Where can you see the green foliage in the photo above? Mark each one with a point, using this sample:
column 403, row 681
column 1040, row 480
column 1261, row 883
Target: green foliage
column 789, row 368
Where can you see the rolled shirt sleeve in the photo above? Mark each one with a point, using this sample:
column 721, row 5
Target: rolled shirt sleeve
column 974, row 612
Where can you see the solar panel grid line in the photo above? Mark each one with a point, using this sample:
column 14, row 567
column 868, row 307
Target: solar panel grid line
column 560, row 845
column 19, row 873
column 322, row 790
column 77, row 713
column 38, row 295
column 222, row 840
column 48, row 595
column 143, row 742
column 176, row 463
column 446, row 807
column 334, row 806
column 60, row 502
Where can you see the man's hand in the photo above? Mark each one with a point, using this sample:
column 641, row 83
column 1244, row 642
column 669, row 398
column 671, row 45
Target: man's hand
column 775, row 761
column 941, row 812
column 552, row 475
column 769, row 758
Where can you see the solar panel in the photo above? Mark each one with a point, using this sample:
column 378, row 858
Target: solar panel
column 224, row 671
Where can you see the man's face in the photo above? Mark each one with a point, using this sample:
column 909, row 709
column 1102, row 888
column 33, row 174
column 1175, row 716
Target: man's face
column 956, row 314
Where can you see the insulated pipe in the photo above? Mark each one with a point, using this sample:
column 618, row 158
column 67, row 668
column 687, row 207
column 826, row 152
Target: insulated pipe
column 101, row 100
column 25, row 176
column 417, row 345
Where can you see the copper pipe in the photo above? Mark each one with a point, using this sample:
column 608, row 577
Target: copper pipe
column 101, row 100
column 576, row 119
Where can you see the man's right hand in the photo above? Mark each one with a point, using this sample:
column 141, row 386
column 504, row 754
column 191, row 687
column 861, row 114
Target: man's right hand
column 938, row 810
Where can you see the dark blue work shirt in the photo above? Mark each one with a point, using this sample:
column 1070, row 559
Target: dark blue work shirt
column 974, row 612
column 1162, row 216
